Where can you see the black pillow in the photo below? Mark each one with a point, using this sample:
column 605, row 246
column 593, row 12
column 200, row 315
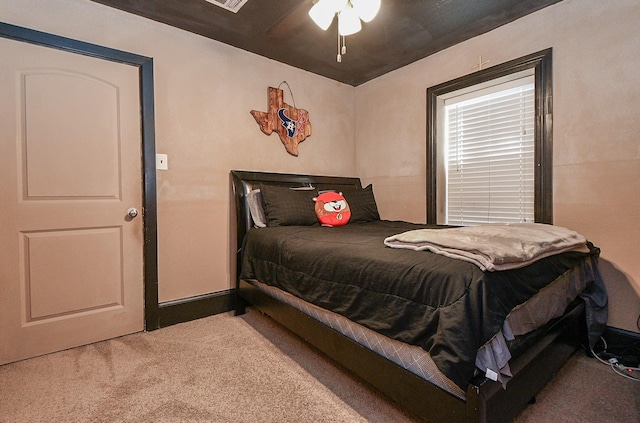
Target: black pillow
column 284, row 206
column 362, row 204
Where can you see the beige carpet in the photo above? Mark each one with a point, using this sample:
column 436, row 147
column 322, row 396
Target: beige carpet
column 248, row 369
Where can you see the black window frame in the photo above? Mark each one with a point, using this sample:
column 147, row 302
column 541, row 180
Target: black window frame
column 543, row 137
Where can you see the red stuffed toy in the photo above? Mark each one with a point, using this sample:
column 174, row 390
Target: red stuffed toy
column 332, row 209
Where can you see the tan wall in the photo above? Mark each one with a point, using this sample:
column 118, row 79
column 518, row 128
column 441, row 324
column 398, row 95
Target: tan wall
column 596, row 125
column 204, row 91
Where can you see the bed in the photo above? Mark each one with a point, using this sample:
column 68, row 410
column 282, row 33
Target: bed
column 446, row 340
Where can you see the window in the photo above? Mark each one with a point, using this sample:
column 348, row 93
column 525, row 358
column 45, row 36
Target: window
column 489, row 145
column 488, row 149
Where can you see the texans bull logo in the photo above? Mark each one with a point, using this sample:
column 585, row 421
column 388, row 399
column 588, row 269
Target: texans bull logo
column 289, row 124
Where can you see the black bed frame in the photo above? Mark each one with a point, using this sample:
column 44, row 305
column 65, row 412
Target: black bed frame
column 486, row 400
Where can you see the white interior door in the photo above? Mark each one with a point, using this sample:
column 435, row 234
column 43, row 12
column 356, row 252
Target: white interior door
column 71, row 257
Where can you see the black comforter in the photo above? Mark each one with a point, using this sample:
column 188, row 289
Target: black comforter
column 448, row 307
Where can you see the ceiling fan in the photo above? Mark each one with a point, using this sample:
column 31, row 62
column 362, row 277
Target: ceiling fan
column 349, row 13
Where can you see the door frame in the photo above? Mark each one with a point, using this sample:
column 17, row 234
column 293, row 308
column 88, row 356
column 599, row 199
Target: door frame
column 149, row 190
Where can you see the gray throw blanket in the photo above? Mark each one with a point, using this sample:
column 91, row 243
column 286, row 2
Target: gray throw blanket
column 493, row 247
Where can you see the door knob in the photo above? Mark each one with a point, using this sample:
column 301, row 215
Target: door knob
column 132, row 212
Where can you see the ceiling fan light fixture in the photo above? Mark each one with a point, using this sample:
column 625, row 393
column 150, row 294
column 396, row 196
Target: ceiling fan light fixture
column 349, row 12
column 348, row 22
column 336, row 5
column 366, row 9
column 322, row 14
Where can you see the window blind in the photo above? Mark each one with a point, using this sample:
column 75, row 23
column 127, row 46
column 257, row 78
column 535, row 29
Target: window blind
column 489, row 144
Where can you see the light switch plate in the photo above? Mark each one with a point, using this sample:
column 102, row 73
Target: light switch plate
column 161, row 162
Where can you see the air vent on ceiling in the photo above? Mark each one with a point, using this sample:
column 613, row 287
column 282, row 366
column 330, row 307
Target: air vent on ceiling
column 232, row 5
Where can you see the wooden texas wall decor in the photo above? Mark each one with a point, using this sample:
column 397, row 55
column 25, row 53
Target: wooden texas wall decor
column 291, row 124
